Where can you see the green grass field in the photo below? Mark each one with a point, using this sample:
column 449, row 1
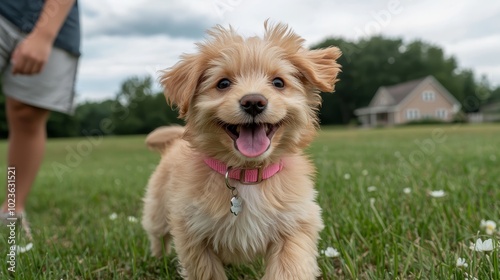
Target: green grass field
column 381, row 233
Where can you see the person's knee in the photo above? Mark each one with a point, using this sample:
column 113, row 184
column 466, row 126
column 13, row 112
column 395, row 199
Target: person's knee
column 23, row 117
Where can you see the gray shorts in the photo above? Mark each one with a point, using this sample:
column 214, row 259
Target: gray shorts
column 52, row 89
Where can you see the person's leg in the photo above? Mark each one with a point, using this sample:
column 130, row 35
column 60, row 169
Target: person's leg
column 27, row 136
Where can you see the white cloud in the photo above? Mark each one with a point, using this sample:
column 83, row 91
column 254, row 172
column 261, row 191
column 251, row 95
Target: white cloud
column 111, row 60
column 474, row 50
column 123, row 38
column 481, row 54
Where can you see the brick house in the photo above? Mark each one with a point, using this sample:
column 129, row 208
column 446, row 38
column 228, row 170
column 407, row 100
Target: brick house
column 414, row 100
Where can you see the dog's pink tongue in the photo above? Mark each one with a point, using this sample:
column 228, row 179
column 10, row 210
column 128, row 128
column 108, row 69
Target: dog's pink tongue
column 253, row 140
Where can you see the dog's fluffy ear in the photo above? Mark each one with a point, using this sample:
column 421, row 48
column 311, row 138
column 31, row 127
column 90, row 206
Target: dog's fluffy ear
column 319, row 67
column 180, row 82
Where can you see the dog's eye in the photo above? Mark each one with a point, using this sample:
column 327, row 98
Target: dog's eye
column 278, row 82
column 224, row 83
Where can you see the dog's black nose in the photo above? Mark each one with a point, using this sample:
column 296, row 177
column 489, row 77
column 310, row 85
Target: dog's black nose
column 253, row 104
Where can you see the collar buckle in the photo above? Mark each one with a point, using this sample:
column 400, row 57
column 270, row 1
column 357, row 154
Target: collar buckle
column 243, row 176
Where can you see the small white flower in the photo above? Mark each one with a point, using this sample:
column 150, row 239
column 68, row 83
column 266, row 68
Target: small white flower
column 461, row 262
column 489, row 226
column 372, row 201
column 24, row 249
column 467, row 277
column 132, row 219
column 437, row 194
column 113, row 216
column 371, row 188
column 481, row 246
column 407, row 190
column 331, row 252
column 364, row 172
column 347, row 176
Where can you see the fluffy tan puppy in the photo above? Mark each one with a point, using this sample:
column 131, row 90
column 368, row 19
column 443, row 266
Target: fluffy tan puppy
column 250, row 108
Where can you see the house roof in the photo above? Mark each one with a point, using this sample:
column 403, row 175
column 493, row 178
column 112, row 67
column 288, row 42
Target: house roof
column 400, row 91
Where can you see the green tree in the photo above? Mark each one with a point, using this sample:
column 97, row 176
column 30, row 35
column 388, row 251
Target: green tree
column 91, row 115
column 62, row 125
column 137, row 110
column 366, row 65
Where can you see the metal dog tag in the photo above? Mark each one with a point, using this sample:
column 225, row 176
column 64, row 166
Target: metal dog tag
column 236, row 201
column 236, row 205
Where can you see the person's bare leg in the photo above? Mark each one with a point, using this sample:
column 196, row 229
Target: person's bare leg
column 27, row 136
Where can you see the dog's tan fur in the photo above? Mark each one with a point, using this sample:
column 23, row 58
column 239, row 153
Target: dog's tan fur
column 188, row 202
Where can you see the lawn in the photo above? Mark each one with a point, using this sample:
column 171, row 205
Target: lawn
column 375, row 188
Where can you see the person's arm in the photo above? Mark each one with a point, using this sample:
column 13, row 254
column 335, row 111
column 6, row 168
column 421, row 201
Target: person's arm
column 32, row 53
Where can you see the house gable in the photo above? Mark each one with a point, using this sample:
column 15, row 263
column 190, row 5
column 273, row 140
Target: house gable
column 446, row 94
column 381, row 98
column 429, row 84
column 440, row 106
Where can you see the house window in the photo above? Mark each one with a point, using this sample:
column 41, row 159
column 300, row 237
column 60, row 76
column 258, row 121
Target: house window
column 441, row 113
column 428, row 96
column 412, row 114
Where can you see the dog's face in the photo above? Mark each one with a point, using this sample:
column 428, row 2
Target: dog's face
column 248, row 101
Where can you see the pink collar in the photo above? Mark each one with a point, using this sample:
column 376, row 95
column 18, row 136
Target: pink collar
column 245, row 176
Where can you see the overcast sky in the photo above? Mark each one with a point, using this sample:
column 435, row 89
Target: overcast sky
column 123, row 38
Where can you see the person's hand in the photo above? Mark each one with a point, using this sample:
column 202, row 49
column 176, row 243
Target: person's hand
column 31, row 54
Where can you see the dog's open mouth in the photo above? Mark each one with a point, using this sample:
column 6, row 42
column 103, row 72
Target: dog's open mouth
column 252, row 140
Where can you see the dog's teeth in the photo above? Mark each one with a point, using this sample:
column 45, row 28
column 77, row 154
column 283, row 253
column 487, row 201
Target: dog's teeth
column 238, row 129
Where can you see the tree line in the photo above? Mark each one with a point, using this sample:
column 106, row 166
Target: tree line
column 367, row 64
